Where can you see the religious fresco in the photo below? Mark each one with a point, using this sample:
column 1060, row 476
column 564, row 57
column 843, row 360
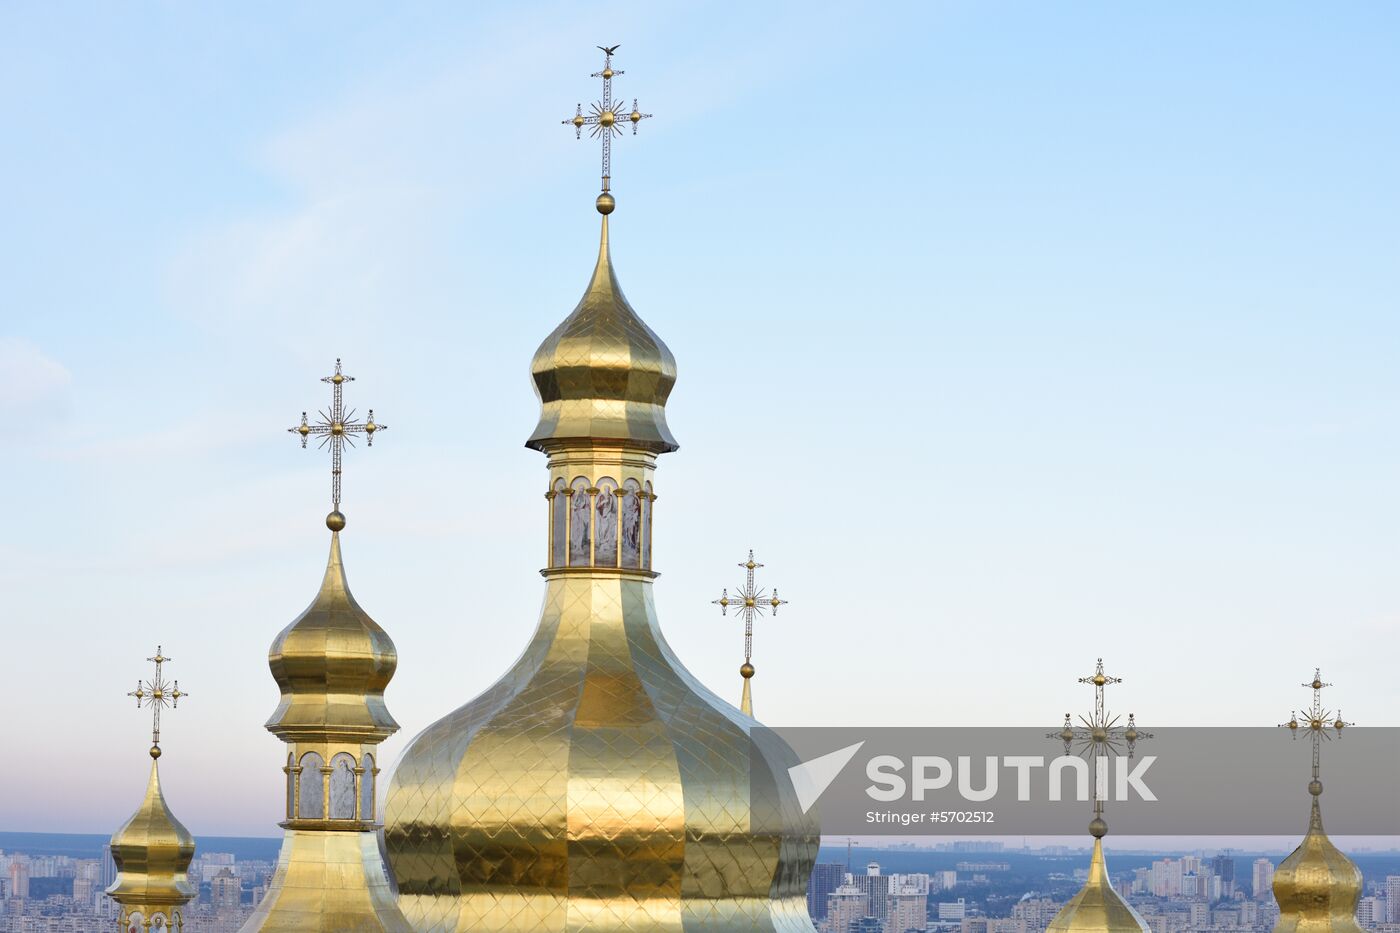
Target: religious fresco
column 579, row 536
column 605, row 548
column 631, row 526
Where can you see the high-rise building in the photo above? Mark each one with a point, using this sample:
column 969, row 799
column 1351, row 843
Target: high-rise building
column 826, row 877
column 1035, row 913
column 906, row 909
column 952, row 910
column 598, row 784
column 331, row 664
column 1223, row 867
column 1262, row 887
column 845, row 907
column 1370, row 911
column 226, row 890
column 876, row 887
column 19, row 877
column 1392, row 899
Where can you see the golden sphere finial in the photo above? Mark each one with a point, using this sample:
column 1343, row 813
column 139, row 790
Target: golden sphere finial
column 1315, row 788
column 606, row 204
column 335, row 521
column 1098, row 828
column 746, row 671
column 155, row 751
column 607, row 118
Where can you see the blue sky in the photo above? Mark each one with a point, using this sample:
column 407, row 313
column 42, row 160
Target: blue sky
column 1009, row 335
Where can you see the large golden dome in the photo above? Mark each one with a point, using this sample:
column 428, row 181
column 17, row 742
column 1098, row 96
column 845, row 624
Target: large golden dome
column 597, row 784
column 332, row 664
column 603, row 374
column 152, row 851
column 1317, row 887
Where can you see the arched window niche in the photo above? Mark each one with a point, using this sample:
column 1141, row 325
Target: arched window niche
column 311, row 796
column 606, row 514
column 342, row 787
column 559, row 524
column 630, row 505
column 367, row 787
column 580, row 524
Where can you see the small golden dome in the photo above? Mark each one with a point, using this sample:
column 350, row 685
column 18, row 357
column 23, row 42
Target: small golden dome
column 332, row 665
column 1317, row 887
column 603, row 376
column 152, row 851
column 1097, row 908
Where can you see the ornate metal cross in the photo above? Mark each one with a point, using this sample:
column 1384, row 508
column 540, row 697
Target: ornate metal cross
column 604, row 116
column 1097, row 735
column 1316, row 721
column 336, row 428
column 751, row 601
column 156, row 694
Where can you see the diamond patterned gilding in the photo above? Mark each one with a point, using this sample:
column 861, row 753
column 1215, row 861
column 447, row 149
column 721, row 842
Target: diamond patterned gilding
column 603, row 375
column 597, row 785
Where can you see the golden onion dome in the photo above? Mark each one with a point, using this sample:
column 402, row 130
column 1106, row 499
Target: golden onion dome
column 603, row 375
column 152, row 851
column 332, row 665
column 1097, row 908
column 1317, row 887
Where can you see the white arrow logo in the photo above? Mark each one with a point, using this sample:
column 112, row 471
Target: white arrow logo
column 811, row 778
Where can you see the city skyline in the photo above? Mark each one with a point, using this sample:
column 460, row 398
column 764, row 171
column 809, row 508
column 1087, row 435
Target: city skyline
column 1124, row 328
column 972, row 887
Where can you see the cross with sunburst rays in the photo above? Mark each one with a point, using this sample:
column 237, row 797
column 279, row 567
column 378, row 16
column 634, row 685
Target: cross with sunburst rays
column 751, row 601
column 604, row 116
column 336, row 428
column 1317, row 721
column 156, row 694
column 1097, row 735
